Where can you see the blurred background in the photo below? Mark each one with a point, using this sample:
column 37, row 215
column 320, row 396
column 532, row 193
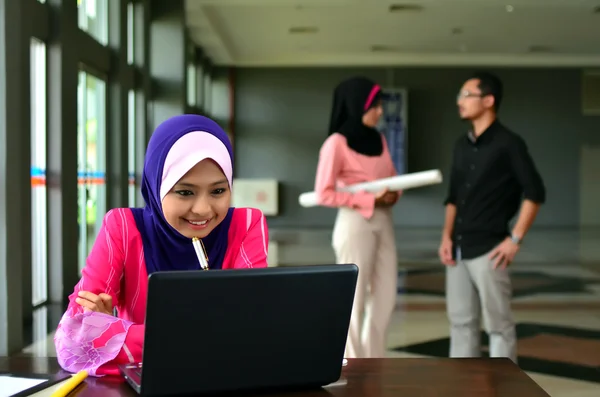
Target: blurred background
column 83, row 83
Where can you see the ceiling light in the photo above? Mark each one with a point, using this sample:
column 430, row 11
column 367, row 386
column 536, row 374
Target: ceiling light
column 405, row 7
column 303, row 29
column 510, row 8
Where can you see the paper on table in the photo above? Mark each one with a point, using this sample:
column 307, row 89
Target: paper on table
column 10, row 385
column 400, row 182
column 340, row 382
column 47, row 392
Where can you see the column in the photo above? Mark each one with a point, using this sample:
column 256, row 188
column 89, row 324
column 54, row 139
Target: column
column 15, row 190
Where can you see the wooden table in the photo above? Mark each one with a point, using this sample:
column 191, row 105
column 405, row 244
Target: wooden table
column 403, row 377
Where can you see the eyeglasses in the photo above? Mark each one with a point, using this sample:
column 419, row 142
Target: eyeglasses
column 469, row 94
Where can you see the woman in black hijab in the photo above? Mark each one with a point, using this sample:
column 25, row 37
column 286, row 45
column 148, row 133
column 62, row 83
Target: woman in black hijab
column 356, row 152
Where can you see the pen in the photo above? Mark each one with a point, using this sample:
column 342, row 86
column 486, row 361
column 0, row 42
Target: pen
column 70, row 385
column 200, row 253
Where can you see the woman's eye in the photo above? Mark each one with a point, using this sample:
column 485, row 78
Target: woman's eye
column 218, row 191
column 184, row 192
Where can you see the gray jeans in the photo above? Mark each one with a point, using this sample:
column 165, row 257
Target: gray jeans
column 474, row 288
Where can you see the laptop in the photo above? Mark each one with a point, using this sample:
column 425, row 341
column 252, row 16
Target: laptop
column 279, row 328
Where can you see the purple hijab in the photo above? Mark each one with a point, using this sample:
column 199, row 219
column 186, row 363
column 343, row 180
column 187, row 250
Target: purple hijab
column 164, row 247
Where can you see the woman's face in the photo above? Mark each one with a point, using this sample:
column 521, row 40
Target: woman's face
column 199, row 201
column 372, row 116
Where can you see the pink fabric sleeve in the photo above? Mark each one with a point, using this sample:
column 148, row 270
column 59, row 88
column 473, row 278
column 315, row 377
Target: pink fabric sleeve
column 87, row 340
column 254, row 247
column 330, row 165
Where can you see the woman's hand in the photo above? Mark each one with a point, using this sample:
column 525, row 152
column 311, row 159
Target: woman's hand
column 101, row 303
column 385, row 198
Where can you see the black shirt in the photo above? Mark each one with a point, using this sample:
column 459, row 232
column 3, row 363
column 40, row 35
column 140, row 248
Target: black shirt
column 490, row 176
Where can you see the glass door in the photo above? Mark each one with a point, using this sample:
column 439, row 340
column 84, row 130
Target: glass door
column 91, row 159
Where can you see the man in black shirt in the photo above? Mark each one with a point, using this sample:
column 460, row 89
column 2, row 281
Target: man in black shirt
column 492, row 178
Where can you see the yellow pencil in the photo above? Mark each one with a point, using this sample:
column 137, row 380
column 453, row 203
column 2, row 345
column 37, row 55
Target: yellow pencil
column 70, row 385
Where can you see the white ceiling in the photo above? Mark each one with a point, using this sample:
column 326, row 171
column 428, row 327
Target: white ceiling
column 365, row 32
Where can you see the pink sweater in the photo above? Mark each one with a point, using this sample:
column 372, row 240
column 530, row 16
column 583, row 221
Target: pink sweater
column 341, row 166
column 98, row 342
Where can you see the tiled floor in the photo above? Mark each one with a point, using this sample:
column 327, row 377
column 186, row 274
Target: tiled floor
column 557, row 303
column 558, row 325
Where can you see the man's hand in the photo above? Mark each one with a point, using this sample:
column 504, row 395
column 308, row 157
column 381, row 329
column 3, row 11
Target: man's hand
column 101, row 303
column 504, row 253
column 445, row 252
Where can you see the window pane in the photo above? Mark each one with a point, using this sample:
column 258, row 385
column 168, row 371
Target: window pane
column 138, row 32
column 141, row 124
column 91, row 158
column 130, row 34
column 93, row 18
column 207, row 94
column 200, row 85
column 39, row 238
column 131, row 147
column 191, row 84
column 39, row 335
column 219, row 107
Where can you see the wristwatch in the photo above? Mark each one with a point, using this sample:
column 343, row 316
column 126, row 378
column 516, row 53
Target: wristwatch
column 515, row 239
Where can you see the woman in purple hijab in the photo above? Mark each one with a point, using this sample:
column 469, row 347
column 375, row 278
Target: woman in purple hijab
column 186, row 185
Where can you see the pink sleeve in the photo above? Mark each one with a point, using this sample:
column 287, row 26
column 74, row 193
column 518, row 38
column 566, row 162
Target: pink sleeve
column 254, row 247
column 330, row 165
column 87, row 340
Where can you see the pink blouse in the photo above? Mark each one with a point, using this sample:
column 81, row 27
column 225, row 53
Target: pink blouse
column 341, row 166
column 98, row 342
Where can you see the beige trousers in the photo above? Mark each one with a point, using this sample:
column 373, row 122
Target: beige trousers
column 371, row 245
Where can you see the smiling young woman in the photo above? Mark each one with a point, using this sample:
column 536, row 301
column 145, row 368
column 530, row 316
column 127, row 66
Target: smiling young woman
column 186, row 185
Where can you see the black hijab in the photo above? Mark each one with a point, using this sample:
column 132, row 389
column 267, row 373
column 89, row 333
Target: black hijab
column 351, row 99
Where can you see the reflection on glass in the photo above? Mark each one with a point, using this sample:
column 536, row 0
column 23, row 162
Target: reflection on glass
column 91, row 159
column 131, row 147
column 39, row 237
column 93, row 18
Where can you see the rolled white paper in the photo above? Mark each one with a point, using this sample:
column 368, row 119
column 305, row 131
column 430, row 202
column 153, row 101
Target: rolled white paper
column 394, row 183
